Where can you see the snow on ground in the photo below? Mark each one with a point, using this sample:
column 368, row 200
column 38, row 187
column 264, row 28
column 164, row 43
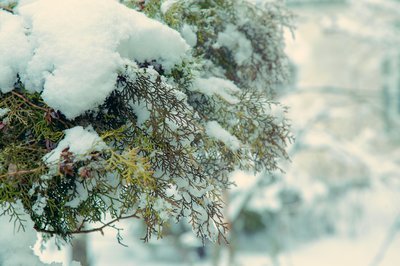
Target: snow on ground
column 345, row 252
column 333, row 251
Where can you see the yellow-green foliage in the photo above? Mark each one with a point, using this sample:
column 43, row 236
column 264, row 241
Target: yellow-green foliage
column 31, row 130
column 132, row 169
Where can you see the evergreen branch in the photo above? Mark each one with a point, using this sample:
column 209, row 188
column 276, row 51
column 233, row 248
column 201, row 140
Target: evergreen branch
column 154, row 127
column 98, row 229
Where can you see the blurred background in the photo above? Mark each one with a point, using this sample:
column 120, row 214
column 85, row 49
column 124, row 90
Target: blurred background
column 338, row 202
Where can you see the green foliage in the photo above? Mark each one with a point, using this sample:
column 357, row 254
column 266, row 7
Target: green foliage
column 158, row 163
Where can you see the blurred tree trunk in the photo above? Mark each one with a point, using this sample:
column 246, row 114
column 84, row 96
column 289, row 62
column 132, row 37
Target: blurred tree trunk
column 79, row 250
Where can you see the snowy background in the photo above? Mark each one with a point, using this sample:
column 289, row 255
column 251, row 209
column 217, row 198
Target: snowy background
column 338, row 202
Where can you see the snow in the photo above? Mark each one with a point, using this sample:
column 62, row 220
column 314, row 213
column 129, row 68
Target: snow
column 334, row 146
column 14, row 49
column 236, row 42
column 164, row 208
column 40, row 204
column 167, row 4
column 267, row 199
column 80, row 142
column 325, row 60
column 189, row 35
column 335, row 150
column 16, row 245
column 141, row 111
column 48, row 252
column 4, row 111
column 344, row 251
column 190, row 240
column 216, row 131
column 241, row 193
column 217, row 86
column 83, row 194
column 79, row 48
column 331, row 251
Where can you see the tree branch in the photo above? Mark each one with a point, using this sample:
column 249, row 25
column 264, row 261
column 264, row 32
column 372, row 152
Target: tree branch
column 21, row 172
column 8, row 9
column 98, row 229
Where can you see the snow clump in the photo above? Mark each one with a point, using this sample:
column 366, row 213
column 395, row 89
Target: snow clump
column 74, row 49
column 14, row 50
column 79, row 141
column 236, row 42
column 216, row 86
column 216, row 131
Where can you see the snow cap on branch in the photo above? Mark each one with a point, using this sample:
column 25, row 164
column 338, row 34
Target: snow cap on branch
column 78, row 48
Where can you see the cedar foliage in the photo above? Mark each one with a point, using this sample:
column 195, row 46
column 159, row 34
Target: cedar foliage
column 164, row 167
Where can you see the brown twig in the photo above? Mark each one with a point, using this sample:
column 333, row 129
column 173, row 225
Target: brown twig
column 29, row 102
column 21, row 172
column 98, row 229
column 46, row 110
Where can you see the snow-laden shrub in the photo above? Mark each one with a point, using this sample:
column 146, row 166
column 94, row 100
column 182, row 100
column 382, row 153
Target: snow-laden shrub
column 107, row 114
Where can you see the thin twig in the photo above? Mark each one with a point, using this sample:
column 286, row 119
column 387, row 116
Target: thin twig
column 21, row 172
column 46, row 110
column 98, row 229
column 29, row 102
